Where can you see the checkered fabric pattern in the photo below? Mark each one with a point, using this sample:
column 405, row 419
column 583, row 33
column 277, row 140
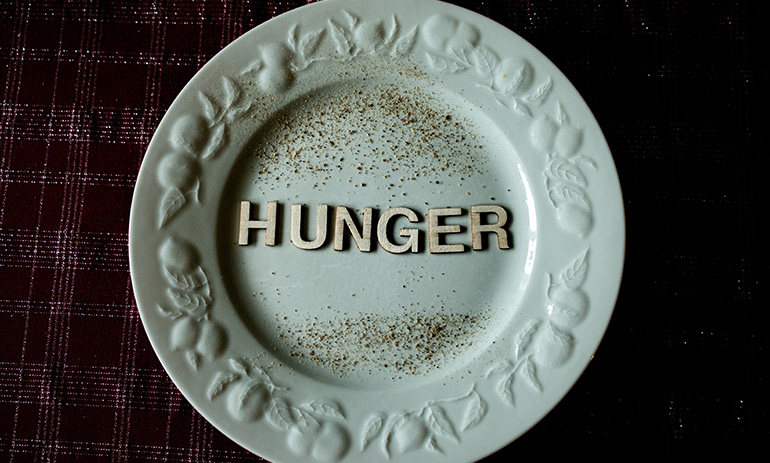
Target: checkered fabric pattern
column 679, row 87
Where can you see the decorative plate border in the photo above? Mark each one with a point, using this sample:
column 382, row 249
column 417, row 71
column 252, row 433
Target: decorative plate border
column 319, row 428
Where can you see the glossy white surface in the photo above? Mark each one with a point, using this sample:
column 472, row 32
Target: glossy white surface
column 344, row 355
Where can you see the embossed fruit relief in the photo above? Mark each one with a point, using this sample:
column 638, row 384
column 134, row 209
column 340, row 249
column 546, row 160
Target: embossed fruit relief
column 355, row 37
column 278, row 63
column 192, row 331
column 195, row 139
column 315, row 429
column 424, row 428
column 565, row 182
column 455, row 48
column 548, row 343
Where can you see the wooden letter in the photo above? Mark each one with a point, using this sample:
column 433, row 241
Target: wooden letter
column 477, row 228
column 435, row 229
column 413, row 234
column 247, row 224
column 296, row 227
column 363, row 239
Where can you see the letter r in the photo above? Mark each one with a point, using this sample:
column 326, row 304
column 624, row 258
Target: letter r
column 477, row 228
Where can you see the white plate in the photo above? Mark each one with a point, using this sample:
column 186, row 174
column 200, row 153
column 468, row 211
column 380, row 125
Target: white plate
column 344, row 355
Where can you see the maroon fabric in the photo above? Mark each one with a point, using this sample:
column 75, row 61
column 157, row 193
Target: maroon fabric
column 677, row 87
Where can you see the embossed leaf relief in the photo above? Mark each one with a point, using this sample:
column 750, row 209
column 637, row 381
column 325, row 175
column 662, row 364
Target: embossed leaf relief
column 355, row 37
column 456, row 48
column 189, row 293
column 548, row 344
column 425, row 427
column 278, row 63
column 193, row 138
column 314, row 429
column 564, row 178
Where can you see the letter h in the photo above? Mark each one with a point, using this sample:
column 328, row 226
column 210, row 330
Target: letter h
column 247, row 224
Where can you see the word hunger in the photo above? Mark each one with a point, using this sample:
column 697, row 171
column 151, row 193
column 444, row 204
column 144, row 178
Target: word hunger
column 345, row 225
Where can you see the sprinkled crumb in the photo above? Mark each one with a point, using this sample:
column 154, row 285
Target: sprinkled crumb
column 413, row 343
column 373, row 129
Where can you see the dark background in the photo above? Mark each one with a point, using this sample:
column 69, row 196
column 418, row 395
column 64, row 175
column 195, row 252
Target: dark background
column 679, row 88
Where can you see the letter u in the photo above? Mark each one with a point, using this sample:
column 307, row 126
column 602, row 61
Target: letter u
column 296, row 227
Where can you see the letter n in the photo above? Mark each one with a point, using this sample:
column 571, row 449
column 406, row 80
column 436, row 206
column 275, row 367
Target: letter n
column 344, row 220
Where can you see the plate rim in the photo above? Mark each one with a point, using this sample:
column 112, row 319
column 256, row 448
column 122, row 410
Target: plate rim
column 338, row 5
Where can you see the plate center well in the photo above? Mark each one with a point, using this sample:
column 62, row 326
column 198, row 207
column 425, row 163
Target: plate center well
column 376, row 319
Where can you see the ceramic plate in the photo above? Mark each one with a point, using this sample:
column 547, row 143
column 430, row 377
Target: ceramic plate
column 361, row 234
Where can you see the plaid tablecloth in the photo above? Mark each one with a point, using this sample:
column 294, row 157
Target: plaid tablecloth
column 679, row 87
